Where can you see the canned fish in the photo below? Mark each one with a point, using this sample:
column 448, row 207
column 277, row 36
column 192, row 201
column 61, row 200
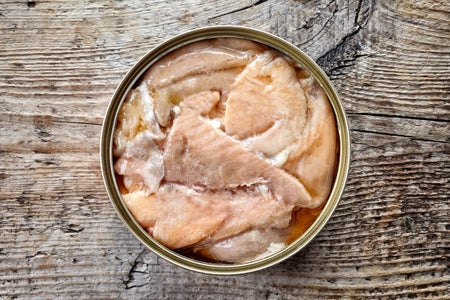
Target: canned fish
column 225, row 150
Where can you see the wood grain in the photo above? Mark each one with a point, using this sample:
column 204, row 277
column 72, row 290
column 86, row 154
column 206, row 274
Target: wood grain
column 59, row 65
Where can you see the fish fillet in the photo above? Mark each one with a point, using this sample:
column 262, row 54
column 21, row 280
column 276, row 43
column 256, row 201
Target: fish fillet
column 196, row 153
column 179, row 216
column 267, row 105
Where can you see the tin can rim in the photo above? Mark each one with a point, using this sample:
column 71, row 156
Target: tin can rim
column 135, row 73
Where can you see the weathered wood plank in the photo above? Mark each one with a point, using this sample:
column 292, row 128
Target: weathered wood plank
column 59, row 65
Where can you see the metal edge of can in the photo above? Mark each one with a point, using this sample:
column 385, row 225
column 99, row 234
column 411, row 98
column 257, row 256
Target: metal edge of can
column 133, row 76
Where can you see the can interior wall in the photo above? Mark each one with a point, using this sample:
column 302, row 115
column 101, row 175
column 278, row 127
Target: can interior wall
column 132, row 77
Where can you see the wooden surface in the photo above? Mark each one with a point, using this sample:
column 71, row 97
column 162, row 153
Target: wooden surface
column 60, row 62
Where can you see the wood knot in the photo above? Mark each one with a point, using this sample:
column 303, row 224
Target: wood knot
column 42, row 129
column 71, row 228
column 408, row 223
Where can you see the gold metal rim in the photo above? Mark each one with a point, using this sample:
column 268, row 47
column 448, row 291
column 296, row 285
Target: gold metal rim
column 133, row 76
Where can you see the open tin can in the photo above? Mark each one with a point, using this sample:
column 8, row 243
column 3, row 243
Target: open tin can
column 133, row 77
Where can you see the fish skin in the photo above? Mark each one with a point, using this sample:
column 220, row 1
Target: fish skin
column 141, row 164
column 136, row 114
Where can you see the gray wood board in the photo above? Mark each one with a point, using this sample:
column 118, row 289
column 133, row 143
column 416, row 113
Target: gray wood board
column 60, row 62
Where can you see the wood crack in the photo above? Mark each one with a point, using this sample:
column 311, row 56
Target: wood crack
column 133, row 270
column 400, row 135
column 39, row 253
column 397, row 116
column 238, row 9
column 346, row 63
column 358, row 25
column 79, row 122
column 333, row 14
column 345, row 39
column 358, row 9
column 40, row 120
